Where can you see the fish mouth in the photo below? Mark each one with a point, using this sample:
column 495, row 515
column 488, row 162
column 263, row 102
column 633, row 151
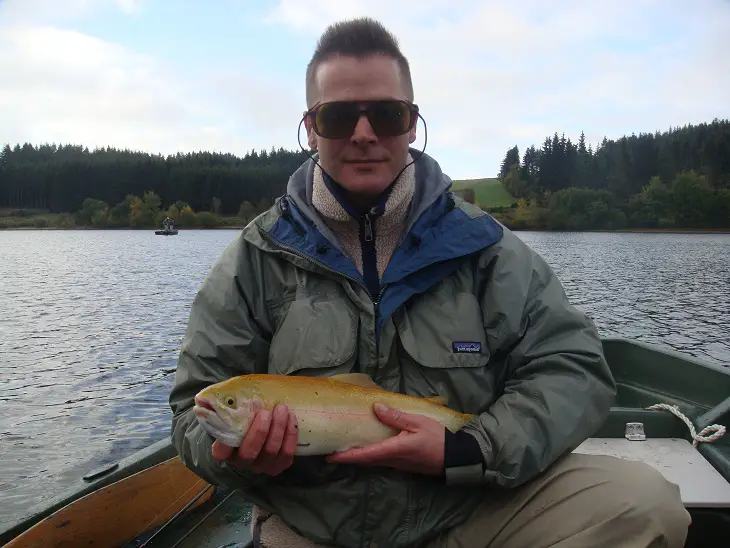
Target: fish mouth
column 214, row 424
column 202, row 402
column 204, row 410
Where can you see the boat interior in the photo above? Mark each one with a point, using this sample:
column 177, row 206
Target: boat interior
column 195, row 514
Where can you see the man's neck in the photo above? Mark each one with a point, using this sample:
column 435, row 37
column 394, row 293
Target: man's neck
column 359, row 202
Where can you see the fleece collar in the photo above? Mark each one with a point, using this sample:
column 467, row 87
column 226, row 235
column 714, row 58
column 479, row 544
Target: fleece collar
column 329, row 201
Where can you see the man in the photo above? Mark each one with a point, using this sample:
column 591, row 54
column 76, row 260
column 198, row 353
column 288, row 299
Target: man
column 370, row 264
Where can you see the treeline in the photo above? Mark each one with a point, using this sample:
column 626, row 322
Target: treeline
column 58, row 178
column 146, row 211
column 676, row 179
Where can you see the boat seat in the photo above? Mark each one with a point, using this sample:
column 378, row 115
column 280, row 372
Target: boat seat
column 699, row 483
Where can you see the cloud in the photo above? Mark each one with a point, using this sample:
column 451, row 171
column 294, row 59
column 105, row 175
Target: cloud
column 129, row 6
column 40, row 11
column 18, row 11
column 65, row 86
column 267, row 108
column 489, row 75
column 70, row 87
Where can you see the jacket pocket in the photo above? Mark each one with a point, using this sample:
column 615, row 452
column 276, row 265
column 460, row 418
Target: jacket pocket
column 317, row 334
column 443, row 334
column 443, row 350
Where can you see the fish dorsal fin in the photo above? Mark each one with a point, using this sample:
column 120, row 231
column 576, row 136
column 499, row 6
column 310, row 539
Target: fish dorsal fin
column 358, row 379
column 438, row 400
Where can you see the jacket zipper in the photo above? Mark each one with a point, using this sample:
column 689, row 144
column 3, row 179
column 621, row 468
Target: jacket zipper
column 368, row 228
column 376, row 304
column 369, row 255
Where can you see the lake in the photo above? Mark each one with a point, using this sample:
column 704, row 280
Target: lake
column 91, row 322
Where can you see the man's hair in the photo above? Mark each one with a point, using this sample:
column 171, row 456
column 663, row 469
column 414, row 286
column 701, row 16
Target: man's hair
column 360, row 38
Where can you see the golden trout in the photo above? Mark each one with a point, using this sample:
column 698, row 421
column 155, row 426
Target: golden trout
column 333, row 413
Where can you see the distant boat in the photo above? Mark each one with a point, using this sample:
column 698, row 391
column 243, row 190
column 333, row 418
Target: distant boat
column 168, row 228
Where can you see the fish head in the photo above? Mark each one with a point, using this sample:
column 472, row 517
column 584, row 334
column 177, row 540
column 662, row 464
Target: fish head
column 225, row 410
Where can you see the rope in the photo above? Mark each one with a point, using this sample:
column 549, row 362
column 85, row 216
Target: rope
column 718, row 429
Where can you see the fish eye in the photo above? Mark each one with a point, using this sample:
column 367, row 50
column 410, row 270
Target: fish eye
column 230, row 402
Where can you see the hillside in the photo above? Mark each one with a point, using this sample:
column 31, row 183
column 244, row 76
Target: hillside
column 488, row 193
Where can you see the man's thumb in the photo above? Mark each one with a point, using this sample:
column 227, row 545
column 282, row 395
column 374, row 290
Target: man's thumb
column 395, row 418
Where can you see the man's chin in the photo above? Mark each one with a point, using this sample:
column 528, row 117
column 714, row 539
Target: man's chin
column 363, row 182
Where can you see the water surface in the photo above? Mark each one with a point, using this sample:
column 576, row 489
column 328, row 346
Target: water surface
column 665, row 289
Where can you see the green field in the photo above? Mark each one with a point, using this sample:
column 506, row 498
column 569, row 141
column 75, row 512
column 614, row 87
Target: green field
column 488, row 192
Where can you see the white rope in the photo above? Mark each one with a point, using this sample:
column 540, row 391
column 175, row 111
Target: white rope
column 718, row 429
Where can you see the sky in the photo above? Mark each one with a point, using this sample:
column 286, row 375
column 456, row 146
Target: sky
column 167, row 76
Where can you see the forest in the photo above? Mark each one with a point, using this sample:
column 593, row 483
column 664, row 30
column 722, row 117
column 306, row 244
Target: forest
column 679, row 178
column 111, row 188
column 676, row 179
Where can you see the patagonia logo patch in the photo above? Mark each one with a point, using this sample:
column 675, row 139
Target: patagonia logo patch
column 465, row 347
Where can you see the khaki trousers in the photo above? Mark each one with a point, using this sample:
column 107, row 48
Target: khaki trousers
column 582, row 501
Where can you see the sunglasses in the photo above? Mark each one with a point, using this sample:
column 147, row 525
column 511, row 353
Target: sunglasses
column 388, row 118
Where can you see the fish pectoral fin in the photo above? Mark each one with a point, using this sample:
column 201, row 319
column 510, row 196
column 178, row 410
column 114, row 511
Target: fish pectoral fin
column 438, row 400
column 358, row 379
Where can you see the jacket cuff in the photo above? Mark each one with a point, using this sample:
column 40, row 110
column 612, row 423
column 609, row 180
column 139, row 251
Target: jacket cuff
column 461, row 449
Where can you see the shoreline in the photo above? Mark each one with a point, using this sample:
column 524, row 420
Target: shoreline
column 636, row 230
column 226, row 227
column 241, row 227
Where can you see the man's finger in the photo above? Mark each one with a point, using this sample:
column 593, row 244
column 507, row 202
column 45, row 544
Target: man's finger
column 397, row 419
column 272, row 445
column 255, row 438
column 289, row 445
column 279, row 420
column 285, row 458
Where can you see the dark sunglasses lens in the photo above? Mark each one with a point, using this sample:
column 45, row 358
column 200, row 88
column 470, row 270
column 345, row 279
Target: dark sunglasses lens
column 336, row 120
column 389, row 118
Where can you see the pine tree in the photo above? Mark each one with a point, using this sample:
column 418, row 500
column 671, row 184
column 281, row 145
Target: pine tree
column 510, row 159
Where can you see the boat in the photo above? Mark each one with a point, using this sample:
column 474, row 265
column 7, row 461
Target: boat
column 168, row 228
column 669, row 413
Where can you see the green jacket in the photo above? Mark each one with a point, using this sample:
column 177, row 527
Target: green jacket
column 284, row 299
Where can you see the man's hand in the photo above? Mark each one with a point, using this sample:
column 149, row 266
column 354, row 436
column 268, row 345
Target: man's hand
column 269, row 445
column 418, row 448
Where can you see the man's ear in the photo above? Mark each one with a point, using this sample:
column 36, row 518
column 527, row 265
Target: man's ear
column 412, row 134
column 311, row 136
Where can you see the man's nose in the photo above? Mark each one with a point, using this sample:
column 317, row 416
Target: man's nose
column 363, row 132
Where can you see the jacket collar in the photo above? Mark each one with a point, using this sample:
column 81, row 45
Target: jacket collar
column 429, row 184
column 330, row 202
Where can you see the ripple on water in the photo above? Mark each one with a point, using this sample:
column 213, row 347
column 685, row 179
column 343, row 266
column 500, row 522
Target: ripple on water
column 665, row 289
column 91, row 322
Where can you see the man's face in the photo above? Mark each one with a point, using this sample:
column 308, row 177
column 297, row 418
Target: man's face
column 364, row 164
